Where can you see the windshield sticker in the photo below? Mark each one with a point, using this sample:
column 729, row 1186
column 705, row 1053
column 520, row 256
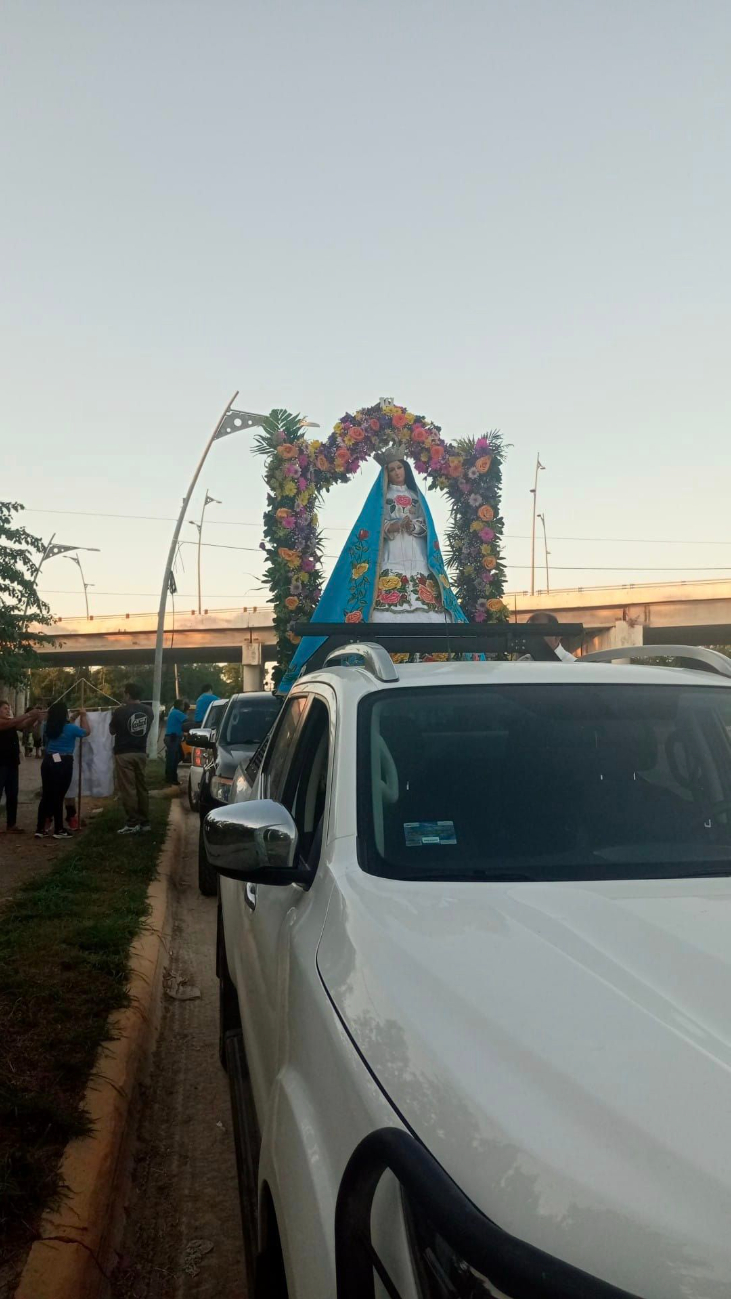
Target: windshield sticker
column 428, row 833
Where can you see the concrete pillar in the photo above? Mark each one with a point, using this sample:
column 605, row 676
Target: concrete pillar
column 253, row 676
column 616, row 637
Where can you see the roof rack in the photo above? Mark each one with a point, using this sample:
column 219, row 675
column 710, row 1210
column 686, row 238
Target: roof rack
column 375, row 659
column 430, row 638
column 706, row 659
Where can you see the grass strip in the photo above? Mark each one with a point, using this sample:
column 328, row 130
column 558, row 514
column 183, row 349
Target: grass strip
column 65, row 940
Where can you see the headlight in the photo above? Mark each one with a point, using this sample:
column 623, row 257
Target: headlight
column 221, row 788
column 440, row 1272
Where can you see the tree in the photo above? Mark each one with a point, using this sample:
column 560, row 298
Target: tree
column 20, row 604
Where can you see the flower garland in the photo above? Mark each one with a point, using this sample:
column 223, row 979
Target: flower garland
column 299, row 471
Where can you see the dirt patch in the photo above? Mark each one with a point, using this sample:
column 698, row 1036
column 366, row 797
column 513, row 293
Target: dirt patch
column 183, row 1235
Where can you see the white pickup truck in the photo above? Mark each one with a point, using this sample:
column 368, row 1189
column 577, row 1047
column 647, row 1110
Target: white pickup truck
column 474, row 952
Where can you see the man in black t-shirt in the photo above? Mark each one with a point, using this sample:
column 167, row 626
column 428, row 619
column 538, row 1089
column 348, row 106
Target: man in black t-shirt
column 10, row 758
column 130, row 726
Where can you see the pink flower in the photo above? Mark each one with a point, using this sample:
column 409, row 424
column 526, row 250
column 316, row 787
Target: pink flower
column 308, row 564
column 304, row 459
column 289, row 522
column 390, row 597
column 480, row 615
column 291, row 470
column 482, row 444
column 403, row 501
column 302, row 484
column 487, row 534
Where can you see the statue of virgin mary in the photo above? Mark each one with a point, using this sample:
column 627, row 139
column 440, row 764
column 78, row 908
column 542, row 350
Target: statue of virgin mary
column 391, row 566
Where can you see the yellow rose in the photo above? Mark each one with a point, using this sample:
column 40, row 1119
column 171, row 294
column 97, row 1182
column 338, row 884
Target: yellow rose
column 489, row 561
column 389, row 583
column 359, row 570
column 496, row 606
column 409, row 417
column 291, row 602
column 486, row 550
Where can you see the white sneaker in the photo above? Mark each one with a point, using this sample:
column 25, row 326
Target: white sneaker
column 129, row 829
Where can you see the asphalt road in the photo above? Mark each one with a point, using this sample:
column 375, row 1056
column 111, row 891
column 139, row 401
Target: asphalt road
column 183, row 1236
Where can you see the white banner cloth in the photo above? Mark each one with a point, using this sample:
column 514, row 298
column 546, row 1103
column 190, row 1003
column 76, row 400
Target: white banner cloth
column 97, row 758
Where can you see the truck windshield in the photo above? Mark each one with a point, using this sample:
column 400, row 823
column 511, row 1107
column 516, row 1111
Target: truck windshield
column 536, row 782
column 249, row 721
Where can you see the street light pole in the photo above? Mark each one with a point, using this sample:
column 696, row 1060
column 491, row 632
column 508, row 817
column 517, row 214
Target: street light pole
column 75, row 560
column 231, row 421
column 207, row 500
column 542, row 518
column 534, row 491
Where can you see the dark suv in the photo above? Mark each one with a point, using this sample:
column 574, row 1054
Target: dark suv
column 246, row 722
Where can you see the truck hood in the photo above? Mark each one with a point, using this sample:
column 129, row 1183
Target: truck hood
column 564, row 1051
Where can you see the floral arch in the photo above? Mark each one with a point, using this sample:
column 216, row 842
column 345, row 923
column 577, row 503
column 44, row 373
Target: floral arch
column 299, row 471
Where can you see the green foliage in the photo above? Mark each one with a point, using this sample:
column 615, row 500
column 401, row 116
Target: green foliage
column 48, row 683
column 20, row 603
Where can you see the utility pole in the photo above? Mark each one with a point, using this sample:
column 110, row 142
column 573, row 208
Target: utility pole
column 542, row 518
column 534, row 492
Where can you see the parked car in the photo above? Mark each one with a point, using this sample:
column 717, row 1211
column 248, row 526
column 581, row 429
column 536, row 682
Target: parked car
column 246, row 721
column 199, row 756
column 475, row 972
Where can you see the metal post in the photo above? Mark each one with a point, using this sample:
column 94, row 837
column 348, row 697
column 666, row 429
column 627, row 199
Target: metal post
column 542, row 518
column 157, row 677
column 534, row 491
column 200, row 539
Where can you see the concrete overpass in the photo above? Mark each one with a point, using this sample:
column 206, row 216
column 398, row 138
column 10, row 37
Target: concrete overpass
column 691, row 613
column 243, row 635
column 639, row 614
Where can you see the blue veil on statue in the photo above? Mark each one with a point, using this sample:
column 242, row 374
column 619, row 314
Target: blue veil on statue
column 390, row 567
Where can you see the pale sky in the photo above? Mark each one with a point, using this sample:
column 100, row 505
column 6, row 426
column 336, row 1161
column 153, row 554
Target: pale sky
column 507, row 214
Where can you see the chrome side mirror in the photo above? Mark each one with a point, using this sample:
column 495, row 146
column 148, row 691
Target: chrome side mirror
column 255, row 842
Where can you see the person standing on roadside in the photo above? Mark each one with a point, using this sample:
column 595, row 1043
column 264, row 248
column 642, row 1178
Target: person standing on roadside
column 57, row 767
column 205, row 698
column 130, row 725
column 176, row 724
column 10, row 758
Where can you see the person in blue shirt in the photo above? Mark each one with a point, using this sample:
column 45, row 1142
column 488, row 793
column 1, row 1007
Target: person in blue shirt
column 205, row 698
column 57, row 767
column 176, row 724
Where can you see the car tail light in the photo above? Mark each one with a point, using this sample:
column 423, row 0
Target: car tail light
column 197, row 758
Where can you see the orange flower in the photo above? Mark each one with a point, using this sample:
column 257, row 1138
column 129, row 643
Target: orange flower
column 355, row 615
column 399, row 419
column 291, row 602
column 486, row 513
column 455, row 468
column 357, row 434
column 496, row 606
column 489, row 561
column 283, row 514
column 418, row 433
column 287, row 451
column 289, row 556
column 483, row 464
column 322, row 463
